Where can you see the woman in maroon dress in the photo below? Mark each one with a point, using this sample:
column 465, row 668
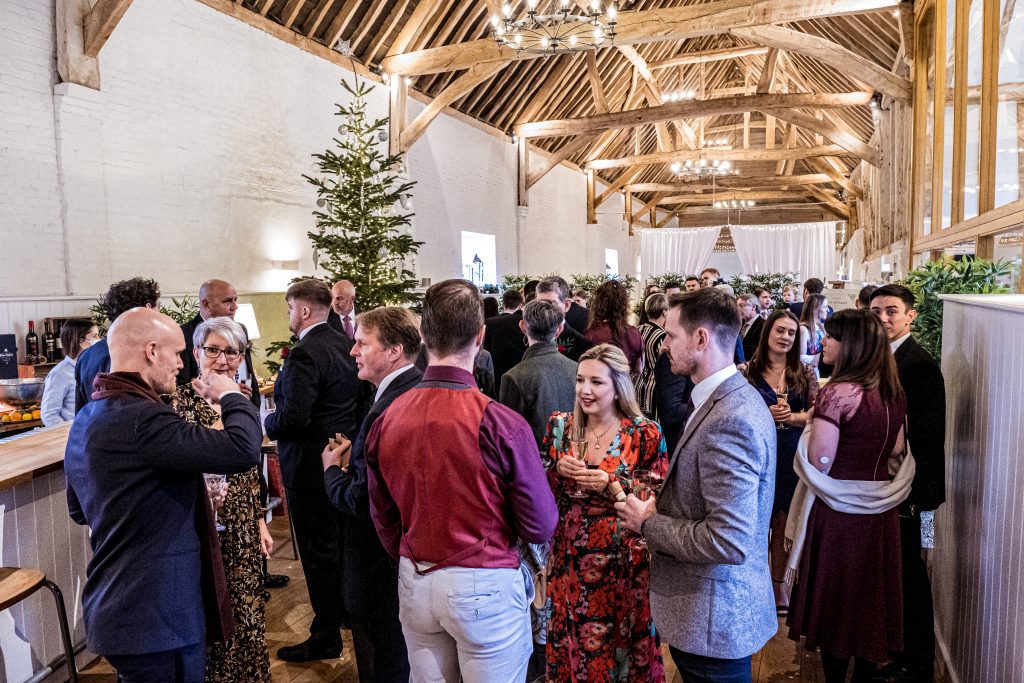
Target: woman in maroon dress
column 848, row 598
column 609, row 323
column 599, row 572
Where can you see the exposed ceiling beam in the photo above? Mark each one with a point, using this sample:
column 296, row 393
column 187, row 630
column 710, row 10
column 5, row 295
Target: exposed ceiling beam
column 728, row 154
column 624, row 178
column 736, row 182
column 831, row 202
column 596, row 86
column 667, row 23
column 770, row 195
column 705, row 56
column 290, row 11
column 101, row 22
column 830, row 131
column 558, row 157
column 847, row 62
column 767, row 79
column 412, row 27
column 682, row 110
column 465, row 83
column 837, row 176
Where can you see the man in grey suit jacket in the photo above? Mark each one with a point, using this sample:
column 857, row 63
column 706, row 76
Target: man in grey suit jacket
column 711, row 591
column 545, row 380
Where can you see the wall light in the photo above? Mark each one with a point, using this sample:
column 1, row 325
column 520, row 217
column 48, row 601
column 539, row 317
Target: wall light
column 284, row 265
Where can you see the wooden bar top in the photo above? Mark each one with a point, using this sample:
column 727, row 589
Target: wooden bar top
column 26, row 457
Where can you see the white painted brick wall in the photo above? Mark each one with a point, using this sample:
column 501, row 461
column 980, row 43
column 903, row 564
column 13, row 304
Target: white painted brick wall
column 188, row 164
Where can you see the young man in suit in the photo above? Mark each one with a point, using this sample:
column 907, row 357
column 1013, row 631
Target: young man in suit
column 155, row 592
column 316, row 396
column 711, row 590
column 926, row 433
column 751, row 325
column 122, row 296
column 217, row 298
column 387, row 341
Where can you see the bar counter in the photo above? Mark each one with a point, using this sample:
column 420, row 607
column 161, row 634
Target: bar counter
column 36, row 532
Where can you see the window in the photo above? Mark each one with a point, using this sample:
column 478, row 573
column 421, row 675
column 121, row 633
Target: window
column 611, row 262
column 479, row 258
column 972, row 131
column 1010, row 111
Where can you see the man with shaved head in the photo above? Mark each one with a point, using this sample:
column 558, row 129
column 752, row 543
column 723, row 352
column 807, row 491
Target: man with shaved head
column 155, row 591
column 343, row 308
column 218, row 298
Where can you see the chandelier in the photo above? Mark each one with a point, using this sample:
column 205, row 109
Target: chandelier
column 735, row 204
column 555, row 30
column 702, row 169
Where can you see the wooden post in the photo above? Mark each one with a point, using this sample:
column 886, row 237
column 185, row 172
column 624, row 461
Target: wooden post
column 985, row 247
column 989, row 106
column 398, row 95
column 524, row 171
column 629, row 211
column 591, row 213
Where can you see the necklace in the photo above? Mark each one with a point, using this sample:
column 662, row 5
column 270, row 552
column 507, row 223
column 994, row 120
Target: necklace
column 598, row 437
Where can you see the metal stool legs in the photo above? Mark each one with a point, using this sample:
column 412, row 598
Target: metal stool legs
column 65, row 631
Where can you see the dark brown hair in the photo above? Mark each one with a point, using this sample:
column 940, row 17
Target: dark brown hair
column 710, row 308
column 310, row 291
column 610, row 306
column 452, row 316
column 511, row 299
column 898, row 291
column 490, row 305
column 865, row 357
column 394, row 326
column 72, row 333
column 128, row 294
column 796, row 380
column 809, row 313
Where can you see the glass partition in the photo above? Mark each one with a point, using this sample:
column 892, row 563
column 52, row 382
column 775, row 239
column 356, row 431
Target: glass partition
column 1010, row 112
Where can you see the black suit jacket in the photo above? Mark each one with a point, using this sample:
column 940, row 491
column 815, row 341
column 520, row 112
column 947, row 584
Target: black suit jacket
column 505, row 342
column 334, row 321
column 923, row 384
column 577, row 317
column 348, row 491
column 91, row 362
column 671, row 395
column 317, row 394
column 753, row 337
column 191, row 369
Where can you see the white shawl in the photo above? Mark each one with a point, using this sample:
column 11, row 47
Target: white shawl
column 855, row 497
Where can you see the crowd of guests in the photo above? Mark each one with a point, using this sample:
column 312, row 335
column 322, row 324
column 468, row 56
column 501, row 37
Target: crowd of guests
column 526, row 489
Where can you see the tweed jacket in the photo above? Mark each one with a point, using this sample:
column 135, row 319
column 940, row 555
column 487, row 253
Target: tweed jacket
column 711, row 591
column 544, row 382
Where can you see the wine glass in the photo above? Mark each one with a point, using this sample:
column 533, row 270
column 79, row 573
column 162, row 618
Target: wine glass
column 579, row 451
column 783, row 398
column 216, row 485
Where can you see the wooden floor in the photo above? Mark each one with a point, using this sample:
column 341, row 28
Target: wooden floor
column 289, row 616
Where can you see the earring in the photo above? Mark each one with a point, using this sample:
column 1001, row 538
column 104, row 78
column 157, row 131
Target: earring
column 616, row 397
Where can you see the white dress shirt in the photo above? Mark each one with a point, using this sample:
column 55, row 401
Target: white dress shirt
column 896, row 343
column 384, row 383
column 702, row 390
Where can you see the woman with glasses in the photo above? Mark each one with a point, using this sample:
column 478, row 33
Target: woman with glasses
column 219, row 346
column 59, row 390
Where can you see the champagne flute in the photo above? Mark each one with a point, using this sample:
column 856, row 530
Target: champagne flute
column 216, row 484
column 783, row 398
column 579, row 451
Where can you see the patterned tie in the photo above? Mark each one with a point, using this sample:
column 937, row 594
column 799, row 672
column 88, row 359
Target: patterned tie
column 347, row 325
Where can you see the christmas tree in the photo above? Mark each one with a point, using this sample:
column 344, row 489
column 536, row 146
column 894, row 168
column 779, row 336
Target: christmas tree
column 361, row 233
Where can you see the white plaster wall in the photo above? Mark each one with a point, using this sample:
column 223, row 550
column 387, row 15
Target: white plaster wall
column 188, row 163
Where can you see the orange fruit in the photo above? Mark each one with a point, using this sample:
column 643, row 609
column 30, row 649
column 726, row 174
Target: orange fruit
column 16, row 416
column 36, row 414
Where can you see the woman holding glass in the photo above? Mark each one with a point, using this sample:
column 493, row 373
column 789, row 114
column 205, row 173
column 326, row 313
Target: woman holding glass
column 599, row 572
column 789, row 388
column 219, row 346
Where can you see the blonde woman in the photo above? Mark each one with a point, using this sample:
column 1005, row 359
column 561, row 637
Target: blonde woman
column 599, row 572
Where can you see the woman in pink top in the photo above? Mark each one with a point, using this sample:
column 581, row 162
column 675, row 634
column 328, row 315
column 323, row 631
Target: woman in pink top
column 609, row 323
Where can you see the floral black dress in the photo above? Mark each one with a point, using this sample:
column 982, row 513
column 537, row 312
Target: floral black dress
column 601, row 630
column 244, row 656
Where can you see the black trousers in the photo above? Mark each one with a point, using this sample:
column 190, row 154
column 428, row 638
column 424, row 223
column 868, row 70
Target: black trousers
column 699, row 669
column 319, row 532
column 371, row 598
column 918, row 613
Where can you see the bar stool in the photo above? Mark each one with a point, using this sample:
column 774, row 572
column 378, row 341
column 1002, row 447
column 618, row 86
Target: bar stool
column 16, row 584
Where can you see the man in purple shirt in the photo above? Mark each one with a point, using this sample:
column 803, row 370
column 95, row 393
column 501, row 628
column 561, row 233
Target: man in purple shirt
column 455, row 483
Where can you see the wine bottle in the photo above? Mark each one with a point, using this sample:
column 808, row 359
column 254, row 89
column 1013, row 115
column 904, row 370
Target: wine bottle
column 49, row 344
column 31, row 343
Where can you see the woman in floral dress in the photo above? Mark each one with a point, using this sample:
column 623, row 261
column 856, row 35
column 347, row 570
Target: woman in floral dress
column 244, row 539
column 600, row 628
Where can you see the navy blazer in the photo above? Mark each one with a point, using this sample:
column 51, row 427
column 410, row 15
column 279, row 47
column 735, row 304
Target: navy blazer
column 91, row 362
column 925, row 388
column 348, row 491
column 317, row 394
column 132, row 467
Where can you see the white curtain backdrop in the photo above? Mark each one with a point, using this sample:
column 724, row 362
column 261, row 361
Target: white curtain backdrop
column 676, row 250
column 808, row 249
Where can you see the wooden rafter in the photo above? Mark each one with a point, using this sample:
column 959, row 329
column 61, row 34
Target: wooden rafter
column 667, row 23
column 558, row 157
column 624, row 179
column 830, row 131
column 340, row 21
column 736, row 182
column 290, row 11
column 836, row 56
column 594, row 76
column 761, row 196
column 679, row 110
column 316, row 17
column 101, row 22
column 411, row 28
column 729, row 154
column 705, row 56
column 764, row 83
column 465, row 83
column 833, row 204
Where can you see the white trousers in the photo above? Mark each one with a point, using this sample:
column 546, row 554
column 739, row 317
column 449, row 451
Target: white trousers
column 473, row 623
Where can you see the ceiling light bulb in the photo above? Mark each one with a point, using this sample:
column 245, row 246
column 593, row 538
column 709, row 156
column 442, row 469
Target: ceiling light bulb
column 565, row 4
column 506, row 9
column 715, row 163
column 532, row 4
column 595, row 6
column 519, row 39
column 572, row 41
column 544, row 41
column 598, row 35
column 612, row 12
column 495, row 20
